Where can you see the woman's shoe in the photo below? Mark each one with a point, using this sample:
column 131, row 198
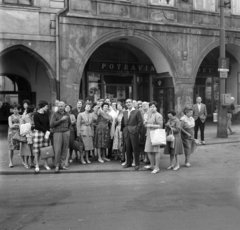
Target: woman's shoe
column 170, row 167
column 65, row 168
column 83, row 162
column 10, row 165
column 100, row 160
column 155, row 171
column 47, row 167
column 88, row 161
column 124, row 163
column 106, row 159
column 37, row 170
column 133, row 165
column 70, row 161
column 176, row 168
column 187, row 165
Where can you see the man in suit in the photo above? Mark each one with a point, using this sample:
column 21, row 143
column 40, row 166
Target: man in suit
column 199, row 115
column 79, row 109
column 131, row 125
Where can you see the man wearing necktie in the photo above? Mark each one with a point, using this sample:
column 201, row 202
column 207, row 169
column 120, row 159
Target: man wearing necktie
column 199, row 115
column 131, row 125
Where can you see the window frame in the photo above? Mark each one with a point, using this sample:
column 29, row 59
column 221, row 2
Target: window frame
column 206, row 9
column 18, row 4
column 233, row 2
column 160, row 4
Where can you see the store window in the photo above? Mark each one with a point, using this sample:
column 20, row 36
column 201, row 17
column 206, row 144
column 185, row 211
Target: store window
column 19, row 2
column 205, row 5
column 162, row 2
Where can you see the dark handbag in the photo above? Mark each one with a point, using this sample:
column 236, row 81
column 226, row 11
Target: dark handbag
column 47, row 152
column 78, row 144
column 18, row 137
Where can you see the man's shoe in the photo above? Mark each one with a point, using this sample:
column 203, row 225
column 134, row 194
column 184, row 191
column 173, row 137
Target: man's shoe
column 127, row 166
column 136, row 168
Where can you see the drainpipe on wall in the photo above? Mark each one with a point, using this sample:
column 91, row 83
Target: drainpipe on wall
column 66, row 7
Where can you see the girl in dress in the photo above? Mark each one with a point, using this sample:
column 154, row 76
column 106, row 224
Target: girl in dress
column 26, row 147
column 13, row 127
column 94, row 115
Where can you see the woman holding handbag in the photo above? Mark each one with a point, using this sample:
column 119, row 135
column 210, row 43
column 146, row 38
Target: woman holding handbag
column 13, row 127
column 41, row 132
column 154, row 121
column 174, row 146
column 187, row 133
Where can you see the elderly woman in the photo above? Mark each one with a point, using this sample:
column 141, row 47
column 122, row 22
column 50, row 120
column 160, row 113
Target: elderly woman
column 175, row 148
column 187, row 134
column 85, row 130
column 154, row 121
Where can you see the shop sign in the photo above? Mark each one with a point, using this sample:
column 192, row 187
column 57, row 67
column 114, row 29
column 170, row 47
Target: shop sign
column 207, row 70
column 114, row 66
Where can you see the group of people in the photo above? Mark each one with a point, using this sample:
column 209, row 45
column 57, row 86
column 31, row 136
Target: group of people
column 103, row 130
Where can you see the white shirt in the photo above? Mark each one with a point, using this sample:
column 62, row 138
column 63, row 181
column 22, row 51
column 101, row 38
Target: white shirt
column 199, row 107
column 129, row 111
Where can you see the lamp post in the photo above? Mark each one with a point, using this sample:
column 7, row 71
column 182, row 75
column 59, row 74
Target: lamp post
column 222, row 110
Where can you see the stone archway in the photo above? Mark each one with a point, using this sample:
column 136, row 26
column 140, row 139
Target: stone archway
column 150, row 46
column 24, row 68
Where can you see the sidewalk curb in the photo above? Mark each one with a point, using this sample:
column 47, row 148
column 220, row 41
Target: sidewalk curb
column 69, row 171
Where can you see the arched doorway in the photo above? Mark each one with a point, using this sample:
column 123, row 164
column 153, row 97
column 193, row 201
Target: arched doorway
column 29, row 72
column 13, row 89
column 207, row 81
column 128, row 67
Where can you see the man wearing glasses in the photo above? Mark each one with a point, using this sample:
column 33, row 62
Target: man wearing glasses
column 131, row 125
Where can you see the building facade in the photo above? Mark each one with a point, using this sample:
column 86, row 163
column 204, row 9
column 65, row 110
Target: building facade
column 162, row 50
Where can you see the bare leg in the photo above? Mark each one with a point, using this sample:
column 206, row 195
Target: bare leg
column 133, row 164
column 87, row 157
column 10, row 155
column 104, row 155
column 37, row 156
column 171, row 162
column 151, row 159
column 99, row 156
column 157, row 160
column 82, row 154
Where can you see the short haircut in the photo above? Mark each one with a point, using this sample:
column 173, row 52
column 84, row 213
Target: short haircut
column 30, row 108
column 69, row 106
column 42, row 103
column 130, row 99
column 172, row 112
column 153, row 103
column 94, row 104
column 87, row 104
column 80, row 100
column 187, row 109
column 27, row 102
column 15, row 106
column 104, row 104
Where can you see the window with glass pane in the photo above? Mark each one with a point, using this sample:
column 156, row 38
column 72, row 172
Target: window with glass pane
column 235, row 5
column 206, row 5
column 162, row 2
column 19, row 2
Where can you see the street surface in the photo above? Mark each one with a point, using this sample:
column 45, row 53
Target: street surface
column 203, row 197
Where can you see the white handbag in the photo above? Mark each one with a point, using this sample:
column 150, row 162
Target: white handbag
column 158, row 137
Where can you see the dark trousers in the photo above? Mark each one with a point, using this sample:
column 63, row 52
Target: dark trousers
column 132, row 146
column 110, row 148
column 201, row 125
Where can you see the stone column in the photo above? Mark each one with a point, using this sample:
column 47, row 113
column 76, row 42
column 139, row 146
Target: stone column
column 183, row 96
column 135, row 94
column 150, row 88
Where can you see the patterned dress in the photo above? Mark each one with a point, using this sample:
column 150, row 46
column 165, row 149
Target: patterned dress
column 117, row 139
column 102, row 134
column 13, row 145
